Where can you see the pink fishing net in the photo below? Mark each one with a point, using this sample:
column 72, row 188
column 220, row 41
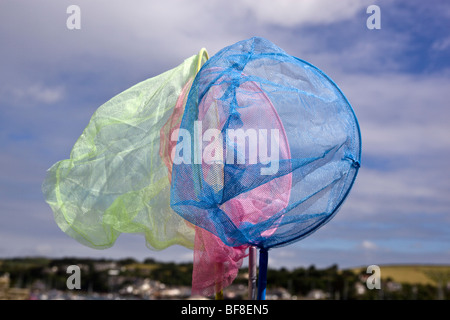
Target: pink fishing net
column 216, row 264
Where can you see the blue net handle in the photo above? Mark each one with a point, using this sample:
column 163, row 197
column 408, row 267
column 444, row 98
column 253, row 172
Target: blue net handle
column 262, row 277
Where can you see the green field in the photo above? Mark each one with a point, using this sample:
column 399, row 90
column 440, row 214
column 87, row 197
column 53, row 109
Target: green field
column 414, row 274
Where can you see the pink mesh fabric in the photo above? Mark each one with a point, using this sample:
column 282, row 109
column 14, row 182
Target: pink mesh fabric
column 215, row 265
column 262, row 202
column 166, row 144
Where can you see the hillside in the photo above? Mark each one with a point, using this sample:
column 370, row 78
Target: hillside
column 413, row 274
column 150, row 279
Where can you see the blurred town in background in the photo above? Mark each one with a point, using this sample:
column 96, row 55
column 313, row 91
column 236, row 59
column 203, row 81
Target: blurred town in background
column 99, row 279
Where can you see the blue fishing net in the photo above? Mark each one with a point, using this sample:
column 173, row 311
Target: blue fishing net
column 267, row 150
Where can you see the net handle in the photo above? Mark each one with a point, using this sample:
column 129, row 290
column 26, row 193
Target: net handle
column 262, row 278
column 252, row 275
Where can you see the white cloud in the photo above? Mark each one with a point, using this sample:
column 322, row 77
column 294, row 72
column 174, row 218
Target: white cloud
column 368, row 245
column 289, row 13
column 404, row 138
column 38, row 93
column 404, row 118
column 404, row 126
column 400, row 114
column 43, row 249
column 149, row 33
column 441, row 44
column 387, row 197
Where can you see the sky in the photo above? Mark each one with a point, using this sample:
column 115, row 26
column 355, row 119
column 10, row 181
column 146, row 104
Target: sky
column 397, row 79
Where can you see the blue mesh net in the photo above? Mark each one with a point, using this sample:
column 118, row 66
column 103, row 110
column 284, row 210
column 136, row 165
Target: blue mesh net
column 268, row 147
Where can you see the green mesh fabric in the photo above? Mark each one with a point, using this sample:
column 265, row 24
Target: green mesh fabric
column 115, row 180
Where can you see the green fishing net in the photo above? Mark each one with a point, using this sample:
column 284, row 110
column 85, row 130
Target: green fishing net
column 116, row 181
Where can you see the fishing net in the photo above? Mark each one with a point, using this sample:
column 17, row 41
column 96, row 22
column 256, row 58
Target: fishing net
column 215, row 265
column 254, row 148
column 267, row 150
column 116, row 180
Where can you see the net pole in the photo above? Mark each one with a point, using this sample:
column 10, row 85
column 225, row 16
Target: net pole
column 252, row 273
column 219, row 285
column 262, row 279
column 219, row 295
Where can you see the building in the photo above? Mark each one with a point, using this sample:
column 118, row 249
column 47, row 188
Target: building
column 8, row 293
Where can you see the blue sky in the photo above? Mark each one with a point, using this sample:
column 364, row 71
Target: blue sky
column 397, row 79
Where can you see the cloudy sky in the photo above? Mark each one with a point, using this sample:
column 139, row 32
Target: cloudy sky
column 397, row 79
